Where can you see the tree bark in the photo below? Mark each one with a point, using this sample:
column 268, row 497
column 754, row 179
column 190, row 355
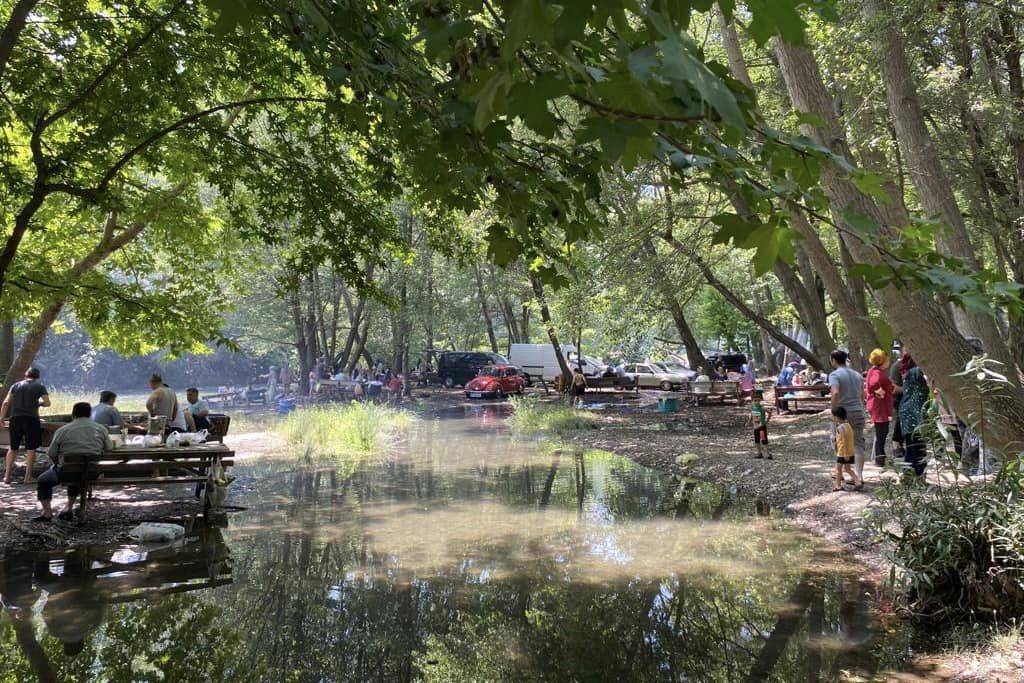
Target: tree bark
column 545, row 316
column 12, row 31
column 926, row 169
column 482, row 295
column 809, row 309
column 694, row 355
column 917, row 318
column 6, row 345
column 862, row 332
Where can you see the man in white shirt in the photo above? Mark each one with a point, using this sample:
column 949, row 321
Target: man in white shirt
column 198, row 408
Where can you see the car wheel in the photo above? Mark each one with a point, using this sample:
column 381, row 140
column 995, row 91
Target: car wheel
column 527, row 381
column 449, row 382
column 500, row 394
column 666, row 386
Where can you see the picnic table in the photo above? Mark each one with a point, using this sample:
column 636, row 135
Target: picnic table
column 788, row 398
column 156, row 466
column 622, row 383
column 718, row 390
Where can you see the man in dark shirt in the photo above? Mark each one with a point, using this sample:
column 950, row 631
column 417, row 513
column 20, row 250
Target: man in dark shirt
column 22, row 405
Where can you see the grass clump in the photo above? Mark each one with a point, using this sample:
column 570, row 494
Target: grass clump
column 338, row 431
column 532, row 416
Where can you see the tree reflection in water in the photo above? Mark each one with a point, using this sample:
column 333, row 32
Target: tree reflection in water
column 468, row 556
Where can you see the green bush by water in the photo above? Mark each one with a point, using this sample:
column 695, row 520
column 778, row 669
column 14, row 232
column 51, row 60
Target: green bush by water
column 532, row 416
column 958, row 544
column 342, row 430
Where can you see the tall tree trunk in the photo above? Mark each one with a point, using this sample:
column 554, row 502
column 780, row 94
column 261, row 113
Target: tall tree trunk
column 6, row 345
column 545, row 316
column 926, row 169
column 915, row 316
column 738, row 303
column 525, row 326
column 484, row 309
column 301, row 346
column 360, row 347
column 694, row 355
column 809, row 309
column 12, row 31
column 1011, row 50
column 862, row 332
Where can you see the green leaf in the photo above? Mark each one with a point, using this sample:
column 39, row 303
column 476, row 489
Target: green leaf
column 864, row 226
column 682, row 66
column 871, row 184
column 491, row 99
column 533, row 19
column 501, row 246
column 771, row 241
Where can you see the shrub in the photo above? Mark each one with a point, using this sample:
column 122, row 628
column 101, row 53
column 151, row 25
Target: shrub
column 342, row 430
column 532, row 416
column 958, row 546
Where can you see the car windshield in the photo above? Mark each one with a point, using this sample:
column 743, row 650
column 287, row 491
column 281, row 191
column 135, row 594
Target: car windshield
column 490, row 372
column 662, row 367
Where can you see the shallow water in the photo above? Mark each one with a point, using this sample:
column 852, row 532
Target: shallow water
column 464, row 555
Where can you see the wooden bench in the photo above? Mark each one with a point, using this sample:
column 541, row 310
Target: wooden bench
column 815, row 394
column 133, row 466
column 717, row 390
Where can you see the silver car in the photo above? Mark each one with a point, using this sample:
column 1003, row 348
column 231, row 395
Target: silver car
column 651, row 376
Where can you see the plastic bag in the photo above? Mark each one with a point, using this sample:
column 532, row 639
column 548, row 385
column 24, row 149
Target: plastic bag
column 187, row 438
column 143, row 442
column 157, row 531
column 217, row 485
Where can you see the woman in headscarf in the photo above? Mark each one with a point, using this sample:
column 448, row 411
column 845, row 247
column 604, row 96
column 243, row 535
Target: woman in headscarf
column 915, row 395
column 878, row 392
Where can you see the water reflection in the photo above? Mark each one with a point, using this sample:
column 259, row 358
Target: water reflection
column 470, row 556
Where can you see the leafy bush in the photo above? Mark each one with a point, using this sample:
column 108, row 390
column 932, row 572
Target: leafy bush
column 342, row 430
column 958, row 545
column 533, row 416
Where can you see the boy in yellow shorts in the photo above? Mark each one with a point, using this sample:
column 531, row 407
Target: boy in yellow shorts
column 844, row 450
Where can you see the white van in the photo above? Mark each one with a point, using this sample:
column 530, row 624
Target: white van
column 538, row 361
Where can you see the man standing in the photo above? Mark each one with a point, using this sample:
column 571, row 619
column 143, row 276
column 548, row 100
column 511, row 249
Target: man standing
column 847, row 390
column 82, row 437
column 163, row 402
column 198, row 408
column 105, row 413
column 22, row 404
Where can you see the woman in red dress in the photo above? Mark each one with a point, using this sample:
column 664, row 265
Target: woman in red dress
column 878, row 393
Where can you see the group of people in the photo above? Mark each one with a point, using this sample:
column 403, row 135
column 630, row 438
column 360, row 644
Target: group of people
column 892, row 396
column 88, row 432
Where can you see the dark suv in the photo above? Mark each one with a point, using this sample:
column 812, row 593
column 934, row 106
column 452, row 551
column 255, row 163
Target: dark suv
column 458, row 367
column 733, row 362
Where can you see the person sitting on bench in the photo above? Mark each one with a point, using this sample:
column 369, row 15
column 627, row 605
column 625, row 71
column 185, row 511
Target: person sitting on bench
column 81, row 437
column 198, row 408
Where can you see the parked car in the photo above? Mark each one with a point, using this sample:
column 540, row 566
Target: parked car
column 674, row 367
column 459, row 367
column 650, row 376
column 538, row 361
column 733, row 362
column 498, row 381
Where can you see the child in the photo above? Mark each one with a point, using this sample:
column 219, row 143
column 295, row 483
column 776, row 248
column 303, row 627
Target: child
column 844, row 450
column 759, row 419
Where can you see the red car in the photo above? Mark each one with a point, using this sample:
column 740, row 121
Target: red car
column 496, row 382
